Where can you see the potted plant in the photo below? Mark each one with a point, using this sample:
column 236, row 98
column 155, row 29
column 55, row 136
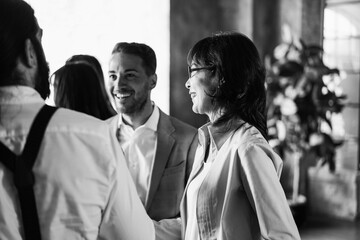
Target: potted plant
column 303, row 96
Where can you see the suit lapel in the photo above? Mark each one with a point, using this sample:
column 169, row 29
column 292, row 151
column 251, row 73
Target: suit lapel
column 163, row 149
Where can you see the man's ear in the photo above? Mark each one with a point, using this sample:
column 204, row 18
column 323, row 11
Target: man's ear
column 153, row 81
column 30, row 54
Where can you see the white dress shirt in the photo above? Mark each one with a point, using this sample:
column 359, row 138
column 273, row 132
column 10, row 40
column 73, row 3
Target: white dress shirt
column 192, row 231
column 139, row 147
column 241, row 196
column 83, row 189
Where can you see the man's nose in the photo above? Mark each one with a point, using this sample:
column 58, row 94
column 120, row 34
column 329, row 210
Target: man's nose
column 119, row 80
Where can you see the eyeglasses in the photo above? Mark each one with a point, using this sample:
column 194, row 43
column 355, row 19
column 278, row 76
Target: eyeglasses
column 190, row 70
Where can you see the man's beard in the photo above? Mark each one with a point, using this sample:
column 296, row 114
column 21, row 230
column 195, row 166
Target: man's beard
column 42, row 79
column 135, row 106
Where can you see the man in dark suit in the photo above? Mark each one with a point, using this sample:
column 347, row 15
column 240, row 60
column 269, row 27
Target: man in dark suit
column 159, row 149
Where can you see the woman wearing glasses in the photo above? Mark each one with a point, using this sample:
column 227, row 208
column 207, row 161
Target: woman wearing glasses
column 234, row 190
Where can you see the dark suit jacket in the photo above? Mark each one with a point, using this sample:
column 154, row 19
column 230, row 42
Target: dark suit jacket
column 176, row 146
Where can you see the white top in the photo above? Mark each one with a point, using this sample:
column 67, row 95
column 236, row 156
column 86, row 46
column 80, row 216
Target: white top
column 241, row 197
column 192, row 230
column 139, row 147
column 83, row 189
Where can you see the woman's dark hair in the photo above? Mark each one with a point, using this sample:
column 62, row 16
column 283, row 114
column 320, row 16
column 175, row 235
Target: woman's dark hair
column 90, row 60
column 95, row 64
column 241, row 91
column 141, row 50
column 77, row 87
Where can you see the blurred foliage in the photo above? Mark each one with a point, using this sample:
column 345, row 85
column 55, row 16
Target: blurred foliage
column 302, row 96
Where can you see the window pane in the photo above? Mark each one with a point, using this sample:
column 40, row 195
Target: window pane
column 343, row 53
column 94, row 27
column 342, row 50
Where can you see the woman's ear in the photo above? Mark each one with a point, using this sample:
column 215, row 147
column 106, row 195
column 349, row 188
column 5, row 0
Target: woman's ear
column 30, row 54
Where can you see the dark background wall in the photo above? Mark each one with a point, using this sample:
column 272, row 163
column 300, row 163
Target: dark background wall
column 261, row 20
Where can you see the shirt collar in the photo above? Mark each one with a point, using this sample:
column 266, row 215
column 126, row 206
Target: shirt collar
column 19, row 95
column 204, row 132
column 151, row 123
column 204, row 136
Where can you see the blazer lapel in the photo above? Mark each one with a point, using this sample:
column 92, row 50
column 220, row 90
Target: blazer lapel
column 163, row 148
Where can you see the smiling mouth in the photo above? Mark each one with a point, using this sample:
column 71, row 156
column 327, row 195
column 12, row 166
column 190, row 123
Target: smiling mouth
column 121, row 95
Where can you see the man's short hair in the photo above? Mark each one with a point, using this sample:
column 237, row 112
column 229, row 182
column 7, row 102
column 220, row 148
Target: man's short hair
column 141, row 50
column 17, row 23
